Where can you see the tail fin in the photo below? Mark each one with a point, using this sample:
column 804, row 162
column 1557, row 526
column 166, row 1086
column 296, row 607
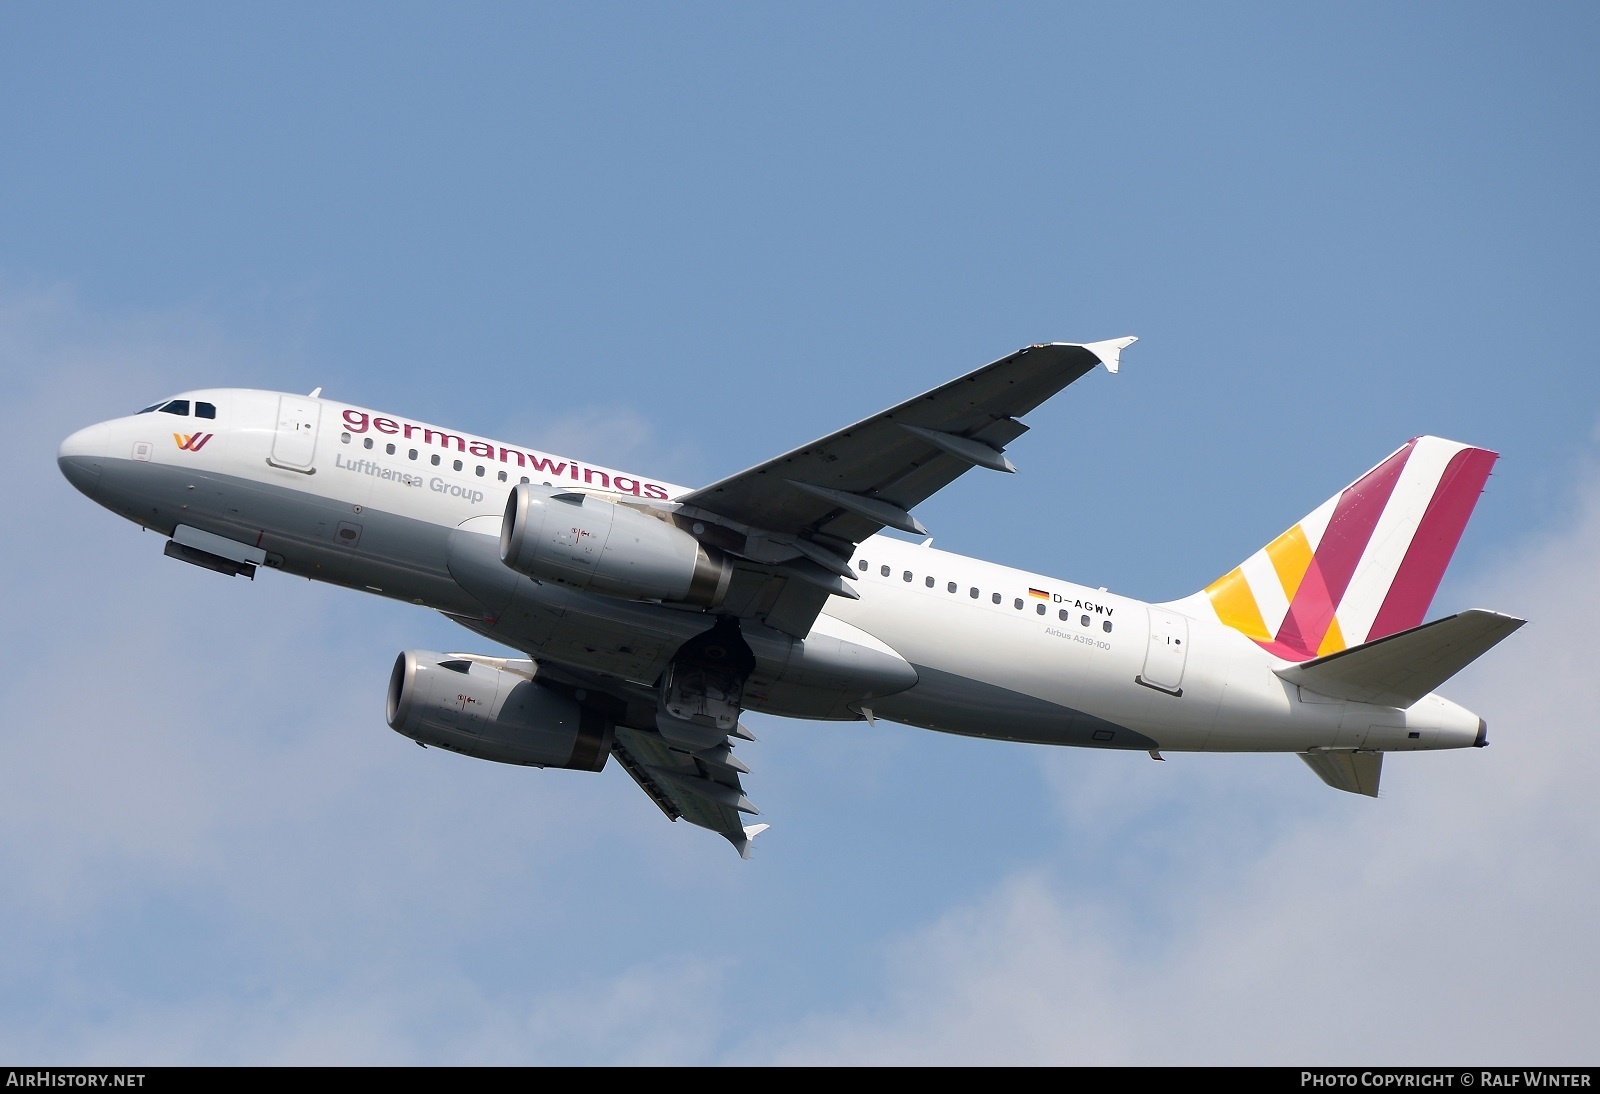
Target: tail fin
column 1365, row 563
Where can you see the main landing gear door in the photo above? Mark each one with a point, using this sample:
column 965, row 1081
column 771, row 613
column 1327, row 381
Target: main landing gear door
column 295, row 442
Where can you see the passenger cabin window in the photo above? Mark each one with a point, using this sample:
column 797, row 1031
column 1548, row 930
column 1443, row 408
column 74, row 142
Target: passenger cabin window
column 1106, row 626
column 366, row 442
column 950, row 588
column 929, row 581
column 1017, row 603
column 1041, row 609
column 907, row 575
column 883, row 571
column 995, row 598
column 435, row 458
column 389, row 448
column 974, row 592
column 862, row 564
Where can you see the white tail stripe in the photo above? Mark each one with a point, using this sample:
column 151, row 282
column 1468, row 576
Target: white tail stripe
column 1316, row 522
column 1268, row 590
column 1391, row 538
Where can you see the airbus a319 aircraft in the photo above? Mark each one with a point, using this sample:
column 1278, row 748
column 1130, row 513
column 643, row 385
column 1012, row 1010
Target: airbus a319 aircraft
column 652, row 615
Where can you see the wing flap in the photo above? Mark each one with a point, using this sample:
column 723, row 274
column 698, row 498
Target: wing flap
column 1399, row 670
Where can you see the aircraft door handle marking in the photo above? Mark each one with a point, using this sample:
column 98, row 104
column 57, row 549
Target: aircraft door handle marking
column 301, row 470
column 1175, row 692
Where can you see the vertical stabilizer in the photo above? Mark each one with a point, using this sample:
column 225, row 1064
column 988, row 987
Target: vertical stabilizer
column 1365, row 563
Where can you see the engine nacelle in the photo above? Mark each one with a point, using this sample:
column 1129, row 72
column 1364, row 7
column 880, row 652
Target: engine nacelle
column 480, row 708
column 594, row 545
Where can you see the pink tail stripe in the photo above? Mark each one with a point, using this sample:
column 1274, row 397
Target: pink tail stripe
column 1425, row 560
column 1340, row 549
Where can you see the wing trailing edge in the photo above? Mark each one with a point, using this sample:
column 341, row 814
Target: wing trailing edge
column 1398, row 670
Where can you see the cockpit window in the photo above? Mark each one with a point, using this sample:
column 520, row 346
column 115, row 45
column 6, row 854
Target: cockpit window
column 151, row 409
column 205, row 410
column 177, row 406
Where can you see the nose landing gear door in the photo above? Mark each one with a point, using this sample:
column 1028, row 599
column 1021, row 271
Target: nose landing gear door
column 295, row 442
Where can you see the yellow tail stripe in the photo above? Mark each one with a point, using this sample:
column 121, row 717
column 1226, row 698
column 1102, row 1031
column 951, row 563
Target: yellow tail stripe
column 1236, row 605
column 1333, row 641
column 1291, row 558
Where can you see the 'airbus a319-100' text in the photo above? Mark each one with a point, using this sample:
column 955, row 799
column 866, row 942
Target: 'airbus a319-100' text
column 651, row 615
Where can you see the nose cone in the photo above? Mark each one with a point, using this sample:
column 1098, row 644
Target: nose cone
column 80, row 455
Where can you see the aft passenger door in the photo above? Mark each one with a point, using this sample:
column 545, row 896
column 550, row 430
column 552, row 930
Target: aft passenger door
column 295, row 442
column 1167, row 652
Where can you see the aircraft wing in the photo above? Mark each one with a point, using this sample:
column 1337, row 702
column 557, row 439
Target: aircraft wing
column 809, row 508
column 700, row 787
column 846, row 486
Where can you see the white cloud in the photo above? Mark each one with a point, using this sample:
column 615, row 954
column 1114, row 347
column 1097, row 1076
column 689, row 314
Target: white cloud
column 214, row 848
column 215, row 851
column 1450, row 921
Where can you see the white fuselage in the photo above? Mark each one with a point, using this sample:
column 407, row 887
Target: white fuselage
column 350, row 496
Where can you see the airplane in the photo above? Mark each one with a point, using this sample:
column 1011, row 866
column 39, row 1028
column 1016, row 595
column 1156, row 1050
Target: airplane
column 650, row 616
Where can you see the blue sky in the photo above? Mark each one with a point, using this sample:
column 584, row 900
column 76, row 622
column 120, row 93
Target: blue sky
column 683, row 239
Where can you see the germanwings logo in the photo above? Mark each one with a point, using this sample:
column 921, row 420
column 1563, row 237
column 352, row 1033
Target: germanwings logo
column 191, row 442
column 1366, row 563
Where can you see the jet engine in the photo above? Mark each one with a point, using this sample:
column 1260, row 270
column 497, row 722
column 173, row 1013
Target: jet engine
column 492, row 708
column 597, row 546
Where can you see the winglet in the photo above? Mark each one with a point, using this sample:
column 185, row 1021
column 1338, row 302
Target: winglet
column 746, row 838
column 1110, row 352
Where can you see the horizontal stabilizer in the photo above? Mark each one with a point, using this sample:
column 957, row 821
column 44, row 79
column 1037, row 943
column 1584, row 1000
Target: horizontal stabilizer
column 1356, row 772
column 1399, row 670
